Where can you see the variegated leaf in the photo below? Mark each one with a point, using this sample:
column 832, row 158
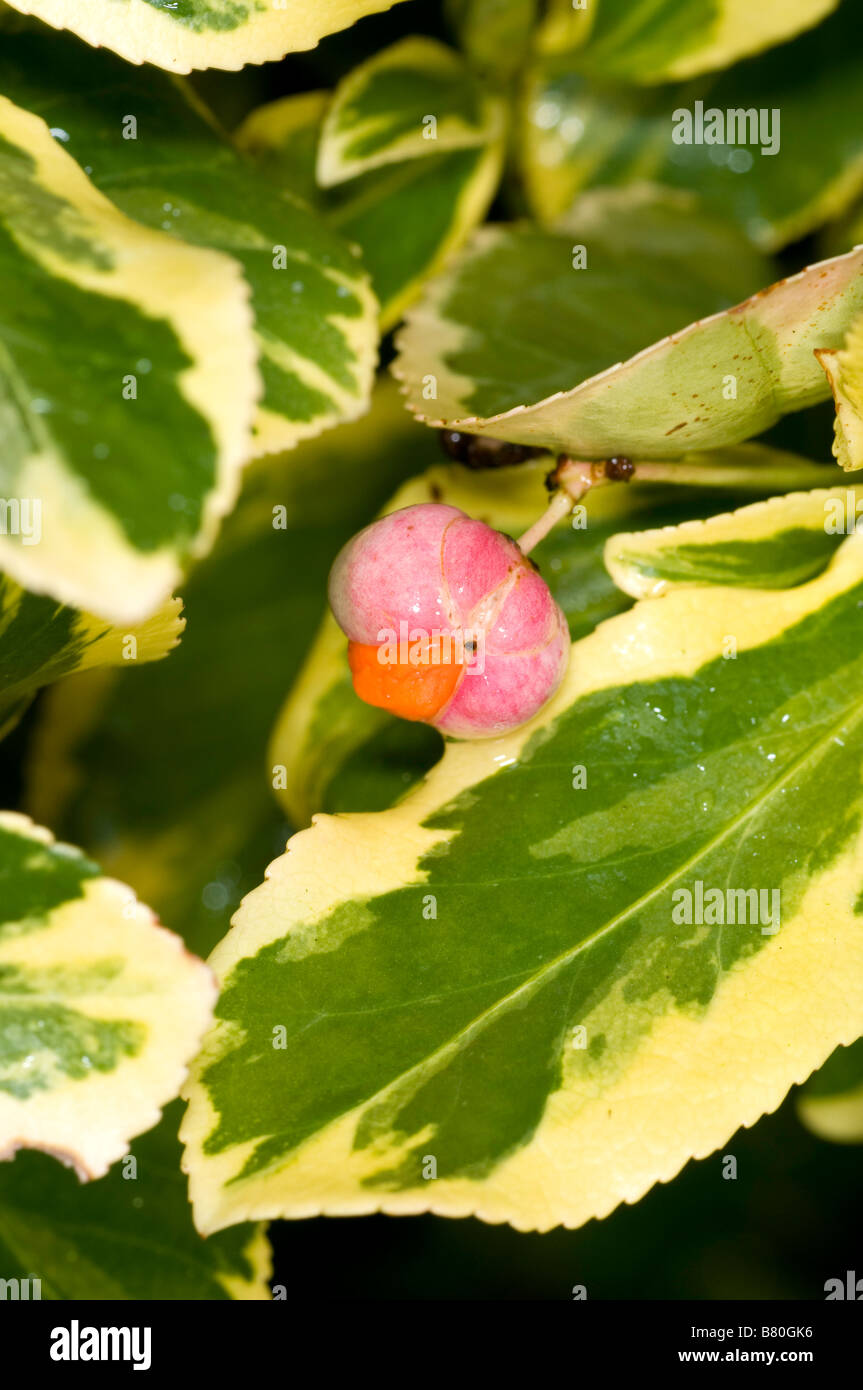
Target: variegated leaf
column 745, row 142
column 341, row 754
column 101, row 1009
column 657, row 40
column 494, row 33
column 315, row 315
column 128, row 1236
column 773, row 544
column 412, row 100
column 514, row 342
column 511, row 995
column 41, row 641
column 831, row 1102
column 407, row 219
column 127, row 385
column 162, row 774
column 185, row 34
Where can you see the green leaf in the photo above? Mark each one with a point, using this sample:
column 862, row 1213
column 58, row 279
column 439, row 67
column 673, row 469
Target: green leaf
column 658, row 40
column 412, row 100
column 101, row 1008
column 283, row 137
column 146, row 309
column 406, row 219
column 515, row 343
column 493, row 33
column 579, row 133
column 831, row 1102
column 341, row 754
column 315, row 316
column 162, row 774
column 431, row 967
column 778, row 543
column 128, row 1236
column 185, row 34
column 41, row 641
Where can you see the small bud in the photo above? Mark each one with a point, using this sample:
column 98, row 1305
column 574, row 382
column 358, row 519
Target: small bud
column 619, row 469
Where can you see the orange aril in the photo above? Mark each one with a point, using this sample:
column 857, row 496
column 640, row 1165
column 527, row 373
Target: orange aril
column 413, row 691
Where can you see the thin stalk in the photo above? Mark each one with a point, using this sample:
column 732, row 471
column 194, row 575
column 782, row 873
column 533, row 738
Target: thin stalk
column 783, row 477
column 574, row 478
column 559, row 507
column 761, row 478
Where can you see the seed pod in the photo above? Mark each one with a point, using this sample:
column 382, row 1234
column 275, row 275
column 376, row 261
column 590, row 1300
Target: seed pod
column 448, row 622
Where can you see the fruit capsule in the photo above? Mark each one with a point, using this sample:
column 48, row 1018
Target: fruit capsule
column 448, row 622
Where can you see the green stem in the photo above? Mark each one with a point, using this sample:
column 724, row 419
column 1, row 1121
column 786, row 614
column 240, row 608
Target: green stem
column 574, row 478
column 781, row 477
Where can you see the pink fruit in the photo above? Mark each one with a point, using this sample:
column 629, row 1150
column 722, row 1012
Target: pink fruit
column 448, row 622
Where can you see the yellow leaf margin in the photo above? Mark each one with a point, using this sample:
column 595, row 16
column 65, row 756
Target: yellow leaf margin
column 141, row 33
column 87, row 1123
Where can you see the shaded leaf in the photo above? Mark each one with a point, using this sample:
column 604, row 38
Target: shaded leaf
column 282, row 137
column 41, row 641
column 831, row 1102
column 578, row 132
column 128, row 1236
column 655, row 40
column 515, row 343
column 493, row 33
column 101, row 1008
